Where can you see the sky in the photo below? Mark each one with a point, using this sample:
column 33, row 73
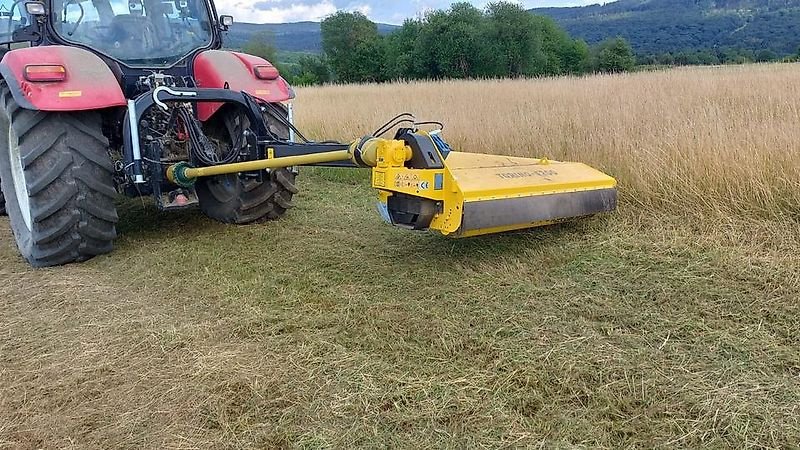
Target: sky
column 282, row 11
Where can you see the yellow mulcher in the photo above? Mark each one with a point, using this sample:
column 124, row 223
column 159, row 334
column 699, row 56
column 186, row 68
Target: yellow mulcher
column 424, row 185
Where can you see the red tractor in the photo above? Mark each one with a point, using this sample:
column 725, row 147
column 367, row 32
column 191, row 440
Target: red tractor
column 78, row 122
column 101, row 97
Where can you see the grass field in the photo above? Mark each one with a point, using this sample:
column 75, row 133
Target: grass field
column 672, row 323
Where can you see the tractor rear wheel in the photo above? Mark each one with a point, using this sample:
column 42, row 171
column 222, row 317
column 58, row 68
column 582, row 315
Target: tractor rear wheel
column 56, row 174
column 238, row 199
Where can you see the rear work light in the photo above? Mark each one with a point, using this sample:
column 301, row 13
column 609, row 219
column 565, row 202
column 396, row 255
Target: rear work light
column 35, row 8
column 45, row 72
column 266, row 72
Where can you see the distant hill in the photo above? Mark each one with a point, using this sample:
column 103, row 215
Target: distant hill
column 287, row 37
column 659, row 26
column 652, row 26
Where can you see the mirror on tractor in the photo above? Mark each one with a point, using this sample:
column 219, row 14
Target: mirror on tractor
column 34, row 8
column 225, row 22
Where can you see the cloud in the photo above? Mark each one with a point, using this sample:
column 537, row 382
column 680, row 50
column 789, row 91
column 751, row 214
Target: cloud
column 547, row 3
column 277, row 11
column 282, row 11
column 363, row 8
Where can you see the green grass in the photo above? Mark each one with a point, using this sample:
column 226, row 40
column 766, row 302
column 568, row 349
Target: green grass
column 329, row 329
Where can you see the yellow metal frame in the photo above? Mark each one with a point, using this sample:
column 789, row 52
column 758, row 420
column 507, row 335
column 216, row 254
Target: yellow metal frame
column 469, row 177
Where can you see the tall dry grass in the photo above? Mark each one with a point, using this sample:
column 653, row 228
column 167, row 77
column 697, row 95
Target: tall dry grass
column 720, row 140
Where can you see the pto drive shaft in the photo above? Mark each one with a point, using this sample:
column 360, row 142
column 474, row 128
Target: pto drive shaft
column 363, row 153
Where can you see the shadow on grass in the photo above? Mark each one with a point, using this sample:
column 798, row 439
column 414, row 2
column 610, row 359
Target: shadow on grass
column 492, row 247
column 481, row 248
column 344, row 175
column 139, row 216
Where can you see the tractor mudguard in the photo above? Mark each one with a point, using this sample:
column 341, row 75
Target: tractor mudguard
column 236, row 71
column 88, row 82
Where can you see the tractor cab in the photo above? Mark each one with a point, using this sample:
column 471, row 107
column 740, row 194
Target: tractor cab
column 148, row 34
column 136, row 33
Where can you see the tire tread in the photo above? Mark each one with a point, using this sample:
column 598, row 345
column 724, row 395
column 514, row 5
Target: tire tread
column 239, row 200
column 70, row 183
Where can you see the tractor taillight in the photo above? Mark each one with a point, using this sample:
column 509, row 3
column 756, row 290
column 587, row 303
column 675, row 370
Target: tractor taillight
column 45, row 72
column 266, row 72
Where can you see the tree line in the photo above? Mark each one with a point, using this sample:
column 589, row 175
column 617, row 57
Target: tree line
column 501, row 40
column 715, row 57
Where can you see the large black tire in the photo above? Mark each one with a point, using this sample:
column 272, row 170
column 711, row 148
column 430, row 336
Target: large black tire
column 56, row 174
column 240, row 200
